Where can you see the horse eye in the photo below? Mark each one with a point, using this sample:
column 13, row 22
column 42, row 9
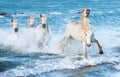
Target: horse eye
column 85, row 34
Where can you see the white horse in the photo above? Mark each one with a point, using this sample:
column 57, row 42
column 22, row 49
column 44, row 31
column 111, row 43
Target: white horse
column 82, row 32
column 42, row 30
column 14, row 24
column 31, row 21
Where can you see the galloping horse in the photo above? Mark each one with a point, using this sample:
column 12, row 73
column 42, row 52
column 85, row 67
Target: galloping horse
column 82, row 32
column 31, row 22
column 42, row 30
column 14, row 24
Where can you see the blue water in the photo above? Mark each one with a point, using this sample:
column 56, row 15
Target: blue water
column 19, row 56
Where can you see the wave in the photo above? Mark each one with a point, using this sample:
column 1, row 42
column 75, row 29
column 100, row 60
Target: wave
column 5, row 65
column 1, row 16
column 55, row 13
column 101, row 12
column 19, row 14
column 17, row 41
column 25, row 41
column 71, row 62
column 72, row 58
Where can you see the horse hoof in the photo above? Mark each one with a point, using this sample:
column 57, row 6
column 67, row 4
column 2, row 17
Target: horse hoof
column 100, row 52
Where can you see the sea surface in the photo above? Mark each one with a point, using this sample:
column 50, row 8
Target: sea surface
column 20, row 56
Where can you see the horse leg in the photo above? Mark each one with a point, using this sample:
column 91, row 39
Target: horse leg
column 84, row 48
column 62, row 43
column 40, row 44
column 99, row 46
column 90, row 62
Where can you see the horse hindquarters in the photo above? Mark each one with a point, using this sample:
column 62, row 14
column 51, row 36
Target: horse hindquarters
column 62, row 43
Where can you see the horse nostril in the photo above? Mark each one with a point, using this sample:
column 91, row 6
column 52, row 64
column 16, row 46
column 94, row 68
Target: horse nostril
column 88, row 45
column 31, row 25
column 88, row 12
column 16, row 29
column 43, row 25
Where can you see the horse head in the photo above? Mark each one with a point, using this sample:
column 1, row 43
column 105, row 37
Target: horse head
column 31, row 21
column 43, row 18
column 14, row 24
column 89, row 35
column 85, row 12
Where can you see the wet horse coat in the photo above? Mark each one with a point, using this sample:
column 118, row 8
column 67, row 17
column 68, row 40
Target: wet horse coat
column 41, row 30
column 82, row 32
column 14, row 24
column 31, row 22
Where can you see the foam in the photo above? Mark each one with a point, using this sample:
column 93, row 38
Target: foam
column 25, row 41
column 117, row 67
column 19, row 15
column 39, row 67
column 117, row 74
column 95, row 0
column 1, row 16
column 55, row 13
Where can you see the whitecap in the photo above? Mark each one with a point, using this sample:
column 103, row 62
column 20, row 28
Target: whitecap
column 56, row 13
column 19, row 14
column 1, row 16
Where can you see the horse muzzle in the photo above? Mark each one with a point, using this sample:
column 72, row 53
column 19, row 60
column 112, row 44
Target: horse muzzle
column 88, row 45
column 16, row 30
column 43, row 25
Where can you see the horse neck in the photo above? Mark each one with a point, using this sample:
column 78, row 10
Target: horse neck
column 84, row 21
column 47, row 23
column 47, row 26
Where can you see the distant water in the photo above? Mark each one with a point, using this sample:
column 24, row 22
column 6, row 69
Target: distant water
column 19, row 55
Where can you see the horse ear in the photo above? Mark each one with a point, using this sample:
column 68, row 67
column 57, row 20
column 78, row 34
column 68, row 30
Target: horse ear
column 40, row 15
column 82, row 10
column 11, row 22
column 32, row 17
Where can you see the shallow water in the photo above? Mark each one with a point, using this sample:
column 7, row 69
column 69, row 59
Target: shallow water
column 20, row 56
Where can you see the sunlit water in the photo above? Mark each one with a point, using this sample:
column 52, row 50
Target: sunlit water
column 20, row 56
